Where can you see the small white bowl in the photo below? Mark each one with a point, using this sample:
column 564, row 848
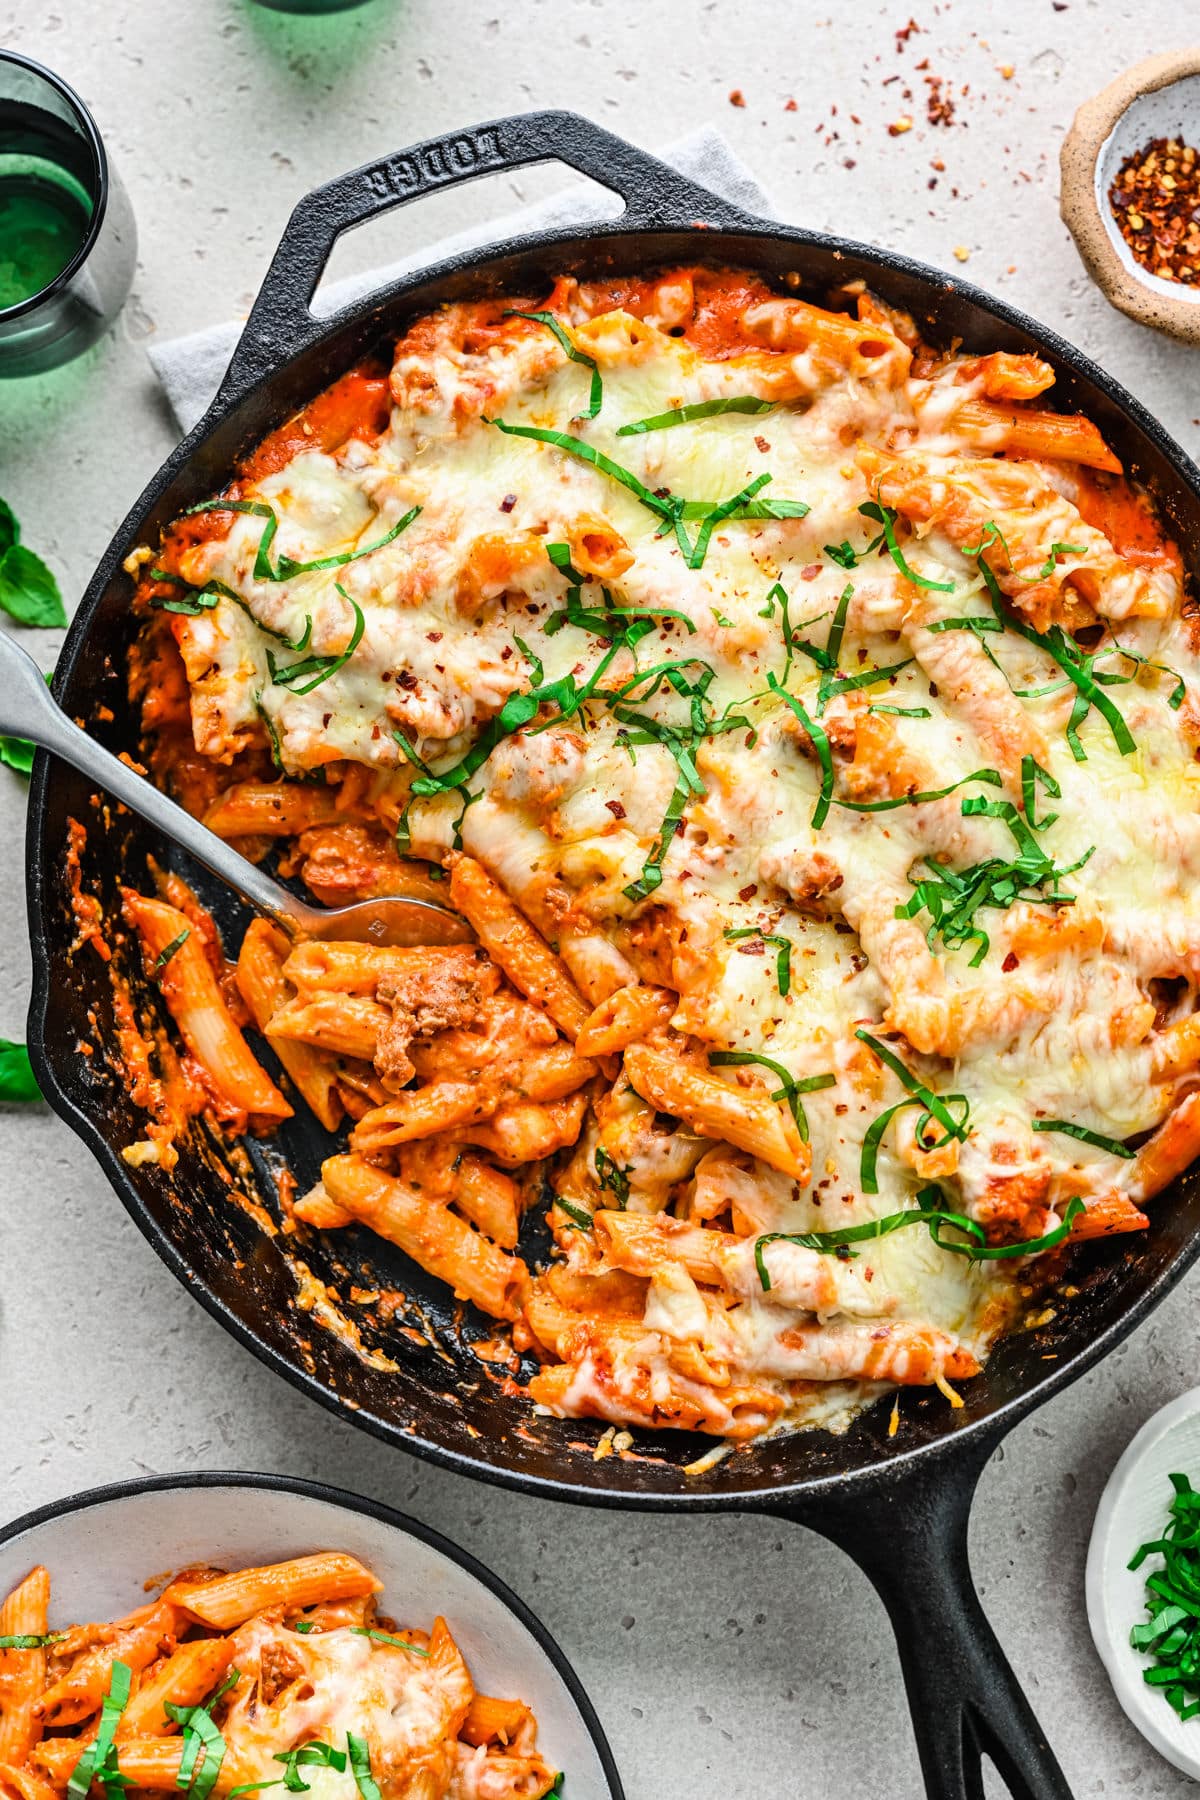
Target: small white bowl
column 1133, row 1509
column 101, row 1548
column 1156, row 98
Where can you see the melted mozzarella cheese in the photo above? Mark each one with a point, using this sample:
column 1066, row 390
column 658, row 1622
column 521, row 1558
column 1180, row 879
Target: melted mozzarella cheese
column 1056, row 1035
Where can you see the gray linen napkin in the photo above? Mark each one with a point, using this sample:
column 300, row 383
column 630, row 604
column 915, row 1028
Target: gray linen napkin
column 190, row 368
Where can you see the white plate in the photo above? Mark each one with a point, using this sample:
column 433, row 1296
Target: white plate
column 1134, row 1508
column 101, row 1547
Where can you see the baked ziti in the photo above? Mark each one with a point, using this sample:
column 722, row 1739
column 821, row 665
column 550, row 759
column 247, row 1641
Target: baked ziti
column 232, row 1683
column 803, row 719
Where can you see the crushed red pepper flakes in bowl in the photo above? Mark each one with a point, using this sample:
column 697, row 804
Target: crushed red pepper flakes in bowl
column 1155, row 200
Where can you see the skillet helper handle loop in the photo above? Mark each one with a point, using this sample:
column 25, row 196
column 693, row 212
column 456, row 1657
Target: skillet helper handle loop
column 909, row 1536
column 655, row 195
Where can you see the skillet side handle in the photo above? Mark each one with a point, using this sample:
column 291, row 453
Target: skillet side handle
column 280, row 324
column 909, row 1536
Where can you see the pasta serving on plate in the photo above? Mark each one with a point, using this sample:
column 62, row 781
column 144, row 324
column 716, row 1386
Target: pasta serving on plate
column 803, row 720
column 233, row 1683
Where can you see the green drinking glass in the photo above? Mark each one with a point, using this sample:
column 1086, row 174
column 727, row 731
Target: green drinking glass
column 310, row 6
column 68, row 245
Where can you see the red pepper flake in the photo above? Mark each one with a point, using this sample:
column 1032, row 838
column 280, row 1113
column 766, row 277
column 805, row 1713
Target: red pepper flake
column 1155, row 200
column 762, row 445
column 939, row 107
column 508, row 502
column 748, row 893
column 615, row 808
column 899, row 126
column 736, row 97
column 904, row 33
column 1010, row 963
column 434, row 637
column 790, row 106
column 407, row 680
column 810, row 571
column 752, row 947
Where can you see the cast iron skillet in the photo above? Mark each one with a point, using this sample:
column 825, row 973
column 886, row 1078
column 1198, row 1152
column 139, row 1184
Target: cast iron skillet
column 898, row 1506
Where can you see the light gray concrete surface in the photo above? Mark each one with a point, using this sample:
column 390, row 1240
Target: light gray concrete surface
column 725, row 1656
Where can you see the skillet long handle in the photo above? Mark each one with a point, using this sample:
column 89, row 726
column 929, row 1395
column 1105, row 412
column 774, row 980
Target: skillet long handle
column 909, row 1535
column 27, row 710
column 656, row 197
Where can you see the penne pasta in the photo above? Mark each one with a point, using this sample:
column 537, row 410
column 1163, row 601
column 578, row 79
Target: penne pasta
column 198, row 1007
column 227, row 1601
column 267, row 991
column 22, row 1672
column 435, row 1238
column 515, row 946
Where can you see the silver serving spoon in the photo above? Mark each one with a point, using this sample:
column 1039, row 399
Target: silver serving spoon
column 27, row 710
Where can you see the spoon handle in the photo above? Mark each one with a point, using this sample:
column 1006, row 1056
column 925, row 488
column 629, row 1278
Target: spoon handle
column 27, row 710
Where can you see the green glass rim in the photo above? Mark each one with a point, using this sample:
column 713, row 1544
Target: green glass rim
column 95, row 143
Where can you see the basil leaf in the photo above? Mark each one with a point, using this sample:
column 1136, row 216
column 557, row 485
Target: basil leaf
column 701, row 409
column 751, row 509
column 385, row 1637
column 99, row 1761
column 360, row 1767
column 936, row 1107
column 10, row 530
column 662, row 508
column 783, row 962
column 269, row 727
column 203, row 1742
column 979, row 623
column 903, row 712
column 17, row 753
column 886, row 516
column 611, row 1177
column 1113, row 1145
column 725, row 510
column 651, row 875
column 28, row 1640
column 937, row 1219
column 286, row 567
column 319, row 667
column 1056, row 550
column 820, row 744
column 578, row 1216
column 791, row 1087
column 991, row 776
column 18, row 1085
column 164, row 956
column 596, row 393
column 315, row 1755
column 845, row 684
column 844, row 554
column 28, row 591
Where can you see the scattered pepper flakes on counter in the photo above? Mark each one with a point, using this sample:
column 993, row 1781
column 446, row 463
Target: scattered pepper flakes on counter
column 939, row 107
column 899, row 126
column 961, row 252
column 791, row 106
column 1007, row 71
column 736, row 97
column 1155, row 200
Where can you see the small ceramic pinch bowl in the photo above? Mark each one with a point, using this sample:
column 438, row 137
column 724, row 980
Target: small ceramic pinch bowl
column 1133, row 1510
column 101, row 1547
column 1156, row 98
